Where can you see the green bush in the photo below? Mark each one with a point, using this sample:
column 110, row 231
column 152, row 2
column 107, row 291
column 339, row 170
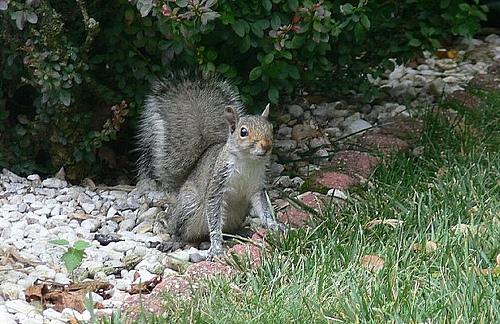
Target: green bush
column 64, row 63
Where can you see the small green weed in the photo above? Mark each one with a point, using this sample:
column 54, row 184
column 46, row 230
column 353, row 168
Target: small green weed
column 73, row 256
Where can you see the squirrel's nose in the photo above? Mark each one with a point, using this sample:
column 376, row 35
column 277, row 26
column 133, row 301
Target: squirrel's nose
column 266, row 145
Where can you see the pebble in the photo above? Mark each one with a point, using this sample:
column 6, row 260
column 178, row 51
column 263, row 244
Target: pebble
column 119, row 223
column 357, row 126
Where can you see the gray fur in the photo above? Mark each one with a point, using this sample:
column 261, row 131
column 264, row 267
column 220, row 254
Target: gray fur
column 191, row 145
column 182, row 117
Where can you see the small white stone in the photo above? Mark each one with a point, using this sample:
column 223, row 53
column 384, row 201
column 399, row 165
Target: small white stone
column 7, row 318
column 16, row 234
column 144, row 275
column 122, row 284
column 9, row 207
column 285, row 145
column 317, row 142
column 143, row 227
column 54, row 183
column 87, row 207
column 150, row 213
column 9, row 290
column 80, row 317
column 127, row 224
column 127, row 235
column 13, row 275
column 297, row 182
column 29, row 198
column 36, row 205
column 123, row 246
column 19, row 244
column 143, row 237
column 33, row 177
column 51, row 314
column 5, row 223
column 56, row 210
column 177, row 259
column 91, row 224
column 357, row 126
column 95, row 297
column 295, row 110
column 20, row 306
column 62, row 278
column 111, row 212
column 44, row 272
column 337, row 194
column 27, row 282
column 92, row 265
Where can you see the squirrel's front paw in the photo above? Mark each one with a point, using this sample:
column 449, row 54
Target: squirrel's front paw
column 273, row 225
column 215, row 251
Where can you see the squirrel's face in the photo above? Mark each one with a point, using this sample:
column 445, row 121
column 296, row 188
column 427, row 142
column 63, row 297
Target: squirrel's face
column 255, row 136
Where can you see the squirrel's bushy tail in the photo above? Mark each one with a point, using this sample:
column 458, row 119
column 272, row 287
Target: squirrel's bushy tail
column 182, row 117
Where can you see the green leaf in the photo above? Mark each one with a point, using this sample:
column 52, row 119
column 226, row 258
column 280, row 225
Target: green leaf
column 88, row 303
column 239, row 27
column 365, row 21
column 443, row 4
column 286, row 54
column 346, row 9
column 65, row 97
column 245, row 44
column 181, row 3
column 60, row 242
column 297, row 41
column 293, row 4
column 267, row 4
column 259, row 26
column 268, row 58
column 464, row 6
column 358, row 32
column 273, row 94
column 72, row 258
column 255, row 73
column 414, row 42
column 81, row 245
column 223, row 68
column 275, row 21
column 211, row 55
column 293, row 72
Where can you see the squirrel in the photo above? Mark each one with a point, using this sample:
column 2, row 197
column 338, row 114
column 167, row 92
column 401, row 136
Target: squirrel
column 198, row 144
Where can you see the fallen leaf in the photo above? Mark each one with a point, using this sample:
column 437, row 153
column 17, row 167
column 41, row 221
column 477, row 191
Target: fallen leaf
column 73, row 320
column 80, row 216
column 464, row 229
column 452, row 54
column 441, row 53
column 391, row 222
column 59, row 297
column 430, row 247
column 60, row 300
column 372, row 262
column 442, row 170
column 145, row 287
column 117, row 218
column 494, row 272
column 11, row 255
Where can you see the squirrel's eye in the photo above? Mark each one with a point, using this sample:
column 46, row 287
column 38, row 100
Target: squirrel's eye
column 243, row 132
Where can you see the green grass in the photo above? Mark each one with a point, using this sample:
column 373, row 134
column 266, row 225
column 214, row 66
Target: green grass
column 313, row 274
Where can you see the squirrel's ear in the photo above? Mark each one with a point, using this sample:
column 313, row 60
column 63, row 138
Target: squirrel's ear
column 265, row 113
column 231, row 117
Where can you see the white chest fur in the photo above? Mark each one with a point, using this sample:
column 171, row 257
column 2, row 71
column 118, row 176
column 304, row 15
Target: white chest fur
column 246, row 179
